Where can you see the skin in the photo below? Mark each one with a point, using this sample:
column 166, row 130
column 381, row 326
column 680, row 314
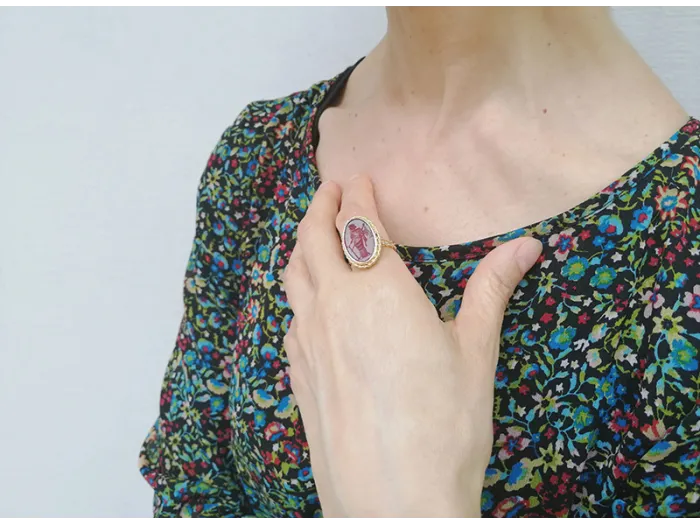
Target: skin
column 468, row 122
column 396, row 404
column 489, row 119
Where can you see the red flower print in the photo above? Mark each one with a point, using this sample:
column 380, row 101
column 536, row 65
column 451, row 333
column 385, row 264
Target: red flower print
column 669, row 201
column 511, row 442
column 692, row 301
column 691, row 127
column 653, row 299
column 564, row 243
column 281, row 192
column 275, row 431
column 623, row 466
column 622, row 421
column 655, row 431
column 508, row 506
column 189, row 468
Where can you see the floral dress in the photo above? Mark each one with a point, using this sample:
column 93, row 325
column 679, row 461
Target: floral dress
column 596, row 410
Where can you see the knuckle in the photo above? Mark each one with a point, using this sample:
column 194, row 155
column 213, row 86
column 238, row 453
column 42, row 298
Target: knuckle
column 498, row 290
column 287, row 276
column 290, row 272
column 296, row 381
column 291, row 345
column 349, row 211
column 361, row 182
column 341, row 219
column 306, row 230
column 292, row 330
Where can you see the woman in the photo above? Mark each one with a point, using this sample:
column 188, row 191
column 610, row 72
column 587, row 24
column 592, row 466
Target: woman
column 470, row 123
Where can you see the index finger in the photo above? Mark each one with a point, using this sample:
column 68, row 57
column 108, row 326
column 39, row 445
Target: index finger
column 318, row 237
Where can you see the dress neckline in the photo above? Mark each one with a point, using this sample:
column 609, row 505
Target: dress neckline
column 598, row 203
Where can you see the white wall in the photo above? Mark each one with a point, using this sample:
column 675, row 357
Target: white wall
column 106, row 121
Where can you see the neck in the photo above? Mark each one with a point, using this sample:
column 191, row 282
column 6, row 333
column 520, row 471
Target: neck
column 429, row 53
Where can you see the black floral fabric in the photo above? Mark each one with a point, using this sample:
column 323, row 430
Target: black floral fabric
column 596, row 413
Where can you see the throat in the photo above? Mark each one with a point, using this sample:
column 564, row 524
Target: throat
column 429, row 53
column 468, row 137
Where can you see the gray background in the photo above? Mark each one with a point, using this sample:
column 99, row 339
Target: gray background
column 107, row 117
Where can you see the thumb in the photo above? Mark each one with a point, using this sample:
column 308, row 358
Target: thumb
column 490, row 287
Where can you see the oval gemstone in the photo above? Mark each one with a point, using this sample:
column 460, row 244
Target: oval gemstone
column 359, row 240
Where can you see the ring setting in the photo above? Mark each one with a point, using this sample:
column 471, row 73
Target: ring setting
column 362, row 243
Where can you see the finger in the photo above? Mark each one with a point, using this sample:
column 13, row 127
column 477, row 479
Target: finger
column 358, row 200
column 317, row 235
column 291, row 345
column 307, row 403
column 298, row 369
column 489, row 290
column 297, row 284
column 297, row 357
column 312, row 431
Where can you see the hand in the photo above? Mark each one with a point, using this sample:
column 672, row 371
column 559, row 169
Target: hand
column 397, row 405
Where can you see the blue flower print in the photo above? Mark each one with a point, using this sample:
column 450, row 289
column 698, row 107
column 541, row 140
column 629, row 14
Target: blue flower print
column 575, row 268
column 610, row 225
column 683, row 355
column 305, row 474
column 604, row 277
column 642, row 218
column 562, row 337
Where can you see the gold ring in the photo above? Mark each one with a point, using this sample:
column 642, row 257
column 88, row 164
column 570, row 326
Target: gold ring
column 362, row 243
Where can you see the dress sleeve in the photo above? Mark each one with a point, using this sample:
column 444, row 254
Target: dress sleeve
column 186, row 456
column 665, row 481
